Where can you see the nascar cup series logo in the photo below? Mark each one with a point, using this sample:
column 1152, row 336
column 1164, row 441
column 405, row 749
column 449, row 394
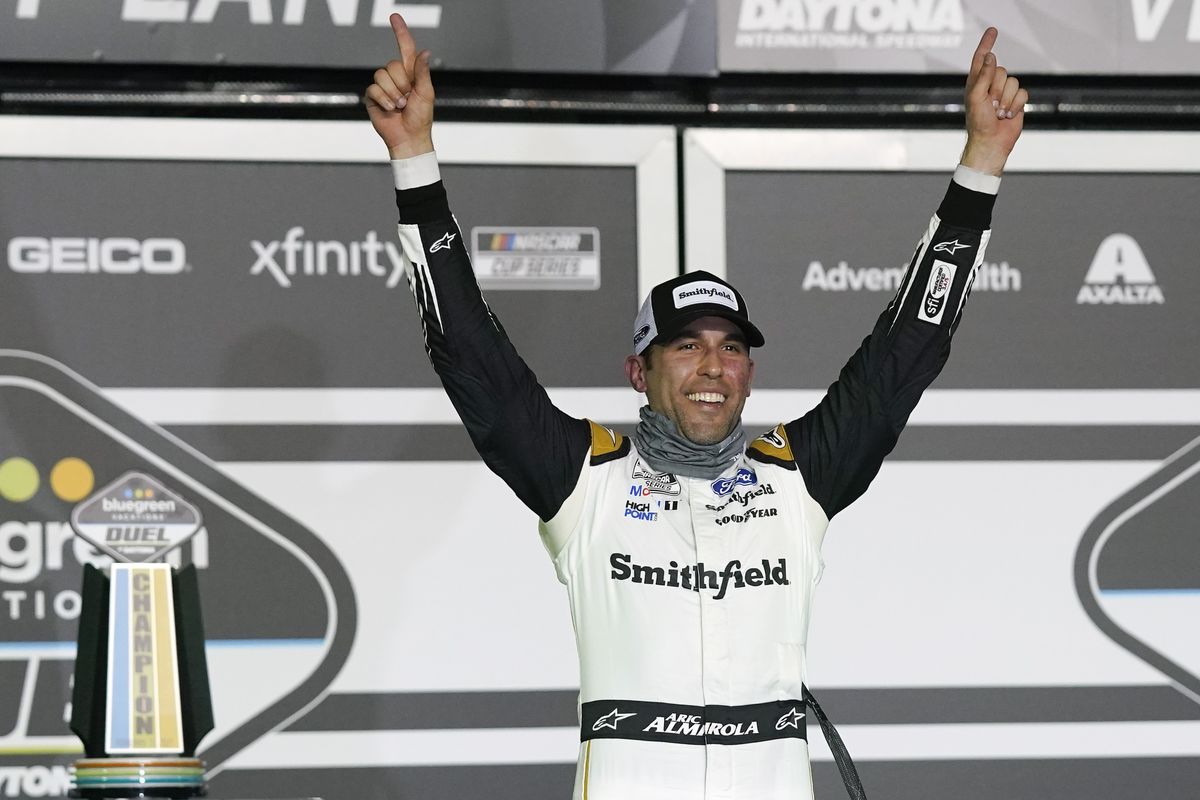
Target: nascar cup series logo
column 536, row 258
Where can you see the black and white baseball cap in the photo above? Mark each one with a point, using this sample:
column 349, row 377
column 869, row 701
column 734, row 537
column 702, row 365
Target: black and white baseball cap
column 672, row 304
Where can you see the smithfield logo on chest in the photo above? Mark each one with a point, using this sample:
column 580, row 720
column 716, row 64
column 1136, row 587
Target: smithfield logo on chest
column 694, row 577
column 743, row 477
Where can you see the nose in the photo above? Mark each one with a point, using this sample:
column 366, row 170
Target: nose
column 711, row 365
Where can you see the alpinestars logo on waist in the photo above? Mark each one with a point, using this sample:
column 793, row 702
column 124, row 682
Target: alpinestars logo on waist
column 695, row 577
column 442, row 243
column 790, row 720
column 1119, row 274
column 611, row 719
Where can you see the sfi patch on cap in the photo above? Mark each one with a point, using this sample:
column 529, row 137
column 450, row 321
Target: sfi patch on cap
column 689, row 294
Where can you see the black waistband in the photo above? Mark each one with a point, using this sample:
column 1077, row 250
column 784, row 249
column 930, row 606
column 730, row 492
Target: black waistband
column 681, row 724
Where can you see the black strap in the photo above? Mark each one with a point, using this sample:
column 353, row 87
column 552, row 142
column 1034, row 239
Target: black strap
column 841, row 755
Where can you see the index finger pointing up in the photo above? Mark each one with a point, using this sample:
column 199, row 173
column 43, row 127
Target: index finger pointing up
column 404, row 40
column 986, row 42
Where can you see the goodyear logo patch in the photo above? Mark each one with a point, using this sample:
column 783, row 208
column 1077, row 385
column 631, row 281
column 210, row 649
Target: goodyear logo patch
column 536, row 258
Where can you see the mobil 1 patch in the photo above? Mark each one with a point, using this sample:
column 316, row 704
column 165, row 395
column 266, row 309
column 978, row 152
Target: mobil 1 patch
column 937, row 292
column 536, row 258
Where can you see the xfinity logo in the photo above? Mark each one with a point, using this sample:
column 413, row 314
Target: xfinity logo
column 342, row 13
column 294, row 257
column 1119, row 274
column 114, row 256
column 842, row 24
column 696, row 578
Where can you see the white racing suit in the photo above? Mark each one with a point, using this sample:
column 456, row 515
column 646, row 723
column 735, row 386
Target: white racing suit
column 690, row 597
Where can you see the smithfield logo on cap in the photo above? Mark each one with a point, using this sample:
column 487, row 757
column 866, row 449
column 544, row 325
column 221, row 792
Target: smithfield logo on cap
column 689, row 294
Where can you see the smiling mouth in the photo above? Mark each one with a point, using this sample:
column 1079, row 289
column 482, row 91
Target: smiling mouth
column 706, row 397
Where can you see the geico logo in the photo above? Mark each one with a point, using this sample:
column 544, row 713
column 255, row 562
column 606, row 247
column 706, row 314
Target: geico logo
column 28, row 548
column 115, row 256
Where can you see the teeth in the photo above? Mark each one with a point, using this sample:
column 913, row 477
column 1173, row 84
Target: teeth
column 707, row 397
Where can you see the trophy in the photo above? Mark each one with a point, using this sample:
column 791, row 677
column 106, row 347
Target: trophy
column 141, row 701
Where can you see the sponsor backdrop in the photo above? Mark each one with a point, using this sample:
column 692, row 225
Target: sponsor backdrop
column 218, row 304
column 679, row 37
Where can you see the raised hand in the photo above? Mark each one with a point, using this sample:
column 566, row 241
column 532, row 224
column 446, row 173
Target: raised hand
column 995, row 104
column 400, row 101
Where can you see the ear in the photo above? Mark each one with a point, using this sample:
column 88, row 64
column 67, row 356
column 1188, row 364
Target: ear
column 750, row 378
column 635, row 372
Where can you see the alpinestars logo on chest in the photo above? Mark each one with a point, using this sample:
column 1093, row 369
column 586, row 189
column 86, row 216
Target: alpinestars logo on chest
column 442, row 243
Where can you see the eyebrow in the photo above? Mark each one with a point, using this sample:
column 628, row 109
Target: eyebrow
column 692, row 333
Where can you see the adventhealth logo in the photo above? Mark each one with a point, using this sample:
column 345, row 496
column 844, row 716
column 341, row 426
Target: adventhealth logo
column 1119, row 274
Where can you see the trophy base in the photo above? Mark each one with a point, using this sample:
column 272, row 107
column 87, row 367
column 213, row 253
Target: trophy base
column 133, row 777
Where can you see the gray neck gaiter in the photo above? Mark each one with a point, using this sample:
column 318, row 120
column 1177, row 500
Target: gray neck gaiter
column 665, row 449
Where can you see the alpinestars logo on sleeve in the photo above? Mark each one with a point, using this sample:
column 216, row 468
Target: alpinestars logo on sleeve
column 951, row 247
column 790, row 720
column 442, row 243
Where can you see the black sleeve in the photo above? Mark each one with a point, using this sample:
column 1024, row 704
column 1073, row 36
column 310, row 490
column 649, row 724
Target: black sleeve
column 840, row 445
column 536, row 448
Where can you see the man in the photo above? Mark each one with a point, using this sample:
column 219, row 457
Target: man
column 689, row 556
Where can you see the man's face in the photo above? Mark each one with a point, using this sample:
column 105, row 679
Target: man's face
column 700, row 379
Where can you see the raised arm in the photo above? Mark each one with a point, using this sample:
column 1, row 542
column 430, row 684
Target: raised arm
column 537, row 449
column 840, row 445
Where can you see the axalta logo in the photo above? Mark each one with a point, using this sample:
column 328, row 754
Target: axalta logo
column 342, row 13
column 294, row 257
column 990, row 276
column 850, row 23
column 35, row 781
column 695, row 577
column 113, row 256
column 1119, row 274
